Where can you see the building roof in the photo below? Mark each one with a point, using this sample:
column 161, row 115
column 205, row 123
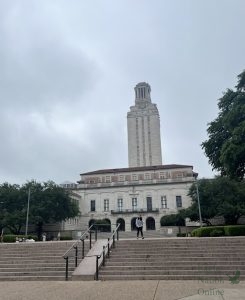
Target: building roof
column 137, row 169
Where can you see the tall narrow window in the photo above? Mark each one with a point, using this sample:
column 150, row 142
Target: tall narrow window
column 120, row 204
column 106, row 204
column 164, row 202
column 92, row 205
column 178, row 201
column 134, row 204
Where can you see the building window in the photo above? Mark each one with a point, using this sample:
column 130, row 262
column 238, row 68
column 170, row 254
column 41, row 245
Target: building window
column 162, row 175
column 106, row 204
column 121, row 177
column 120, row 204
column 92, row 205
column 178, row 201
column 147, row 176
column 134, row 204
column 108, row 179
column 164, row 202
column 135, row 177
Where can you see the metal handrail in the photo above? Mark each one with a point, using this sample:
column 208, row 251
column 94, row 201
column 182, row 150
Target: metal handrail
column 98, row 256
column 82, row 238
column 74, row 246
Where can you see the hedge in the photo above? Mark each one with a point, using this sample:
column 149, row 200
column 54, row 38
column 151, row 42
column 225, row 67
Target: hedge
column 65, row 238
column 11, row 238
column 230, row 230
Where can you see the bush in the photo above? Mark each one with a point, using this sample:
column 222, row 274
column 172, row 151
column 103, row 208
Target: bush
column 65, row 238
column 231, row 230
column 206, row 231
column 11, row 238
column 235, row 230
column 181, row 234
column 217, row 232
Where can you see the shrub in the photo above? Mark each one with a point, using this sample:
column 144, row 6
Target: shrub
column 65, row 238
column 181, row 234
column 217, row 232
column 9, row 238
column 206, row 231
column 235, row 230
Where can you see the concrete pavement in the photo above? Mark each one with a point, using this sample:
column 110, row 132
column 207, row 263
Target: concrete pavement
column 122, row 290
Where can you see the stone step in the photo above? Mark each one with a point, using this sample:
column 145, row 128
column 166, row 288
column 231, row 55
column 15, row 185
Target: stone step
column 35, row 268
column 173, row 260
column 176, row 252
column 33, row 278
column 37, row 261
column 174, row 263
column 201, row 279
column 168, row 272
column 173, row 255
column 187, row 267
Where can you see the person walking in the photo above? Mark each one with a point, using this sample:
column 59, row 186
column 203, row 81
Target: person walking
column 139, row 226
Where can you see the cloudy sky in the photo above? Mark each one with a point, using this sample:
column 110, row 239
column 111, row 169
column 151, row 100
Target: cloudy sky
column 68, row 70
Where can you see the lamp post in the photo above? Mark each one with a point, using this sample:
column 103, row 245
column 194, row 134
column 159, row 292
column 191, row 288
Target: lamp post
column 27, row 212
column 198, row 202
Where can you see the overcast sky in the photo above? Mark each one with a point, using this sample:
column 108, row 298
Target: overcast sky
column 68, row 71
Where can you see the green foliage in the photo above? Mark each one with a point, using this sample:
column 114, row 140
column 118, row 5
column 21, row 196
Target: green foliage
column 172, row 220
column 225, row 147
column 49, row 203
column 217, row 232
column 181, row 234
column 11, row 238
column 65, row 238
column 102, row 225
column 220, row 196
column 237, row 230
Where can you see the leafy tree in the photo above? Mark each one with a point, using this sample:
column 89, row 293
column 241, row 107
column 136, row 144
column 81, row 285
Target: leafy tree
column 173, row 220
column 13, row 212
column 225, row 147
column 220, row 196
column 49, row 203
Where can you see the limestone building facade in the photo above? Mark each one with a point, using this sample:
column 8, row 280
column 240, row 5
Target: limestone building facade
column 146, row 187
column 120, row 195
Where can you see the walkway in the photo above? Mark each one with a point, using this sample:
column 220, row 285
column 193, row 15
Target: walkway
column 123, row 290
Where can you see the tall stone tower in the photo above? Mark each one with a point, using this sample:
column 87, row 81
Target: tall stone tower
column 144, row 140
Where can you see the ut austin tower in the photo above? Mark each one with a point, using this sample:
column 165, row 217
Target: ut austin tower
column 144, row 139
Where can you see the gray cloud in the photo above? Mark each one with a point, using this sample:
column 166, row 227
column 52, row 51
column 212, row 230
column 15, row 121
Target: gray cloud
column 67, row 73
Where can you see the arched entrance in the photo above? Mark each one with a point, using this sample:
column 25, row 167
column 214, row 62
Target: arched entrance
column 122, row 224
column 91, row 222
column 107, row 227
column 150, row 224
column 133, row 226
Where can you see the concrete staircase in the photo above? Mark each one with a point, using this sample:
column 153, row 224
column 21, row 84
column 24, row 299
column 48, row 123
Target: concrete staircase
column 205, row 259
column 36, row 261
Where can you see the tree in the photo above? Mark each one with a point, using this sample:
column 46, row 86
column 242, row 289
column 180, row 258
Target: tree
column 225, row 147
column 49, row 203
column 173, row 220
column 220, row 196
column 13, row 212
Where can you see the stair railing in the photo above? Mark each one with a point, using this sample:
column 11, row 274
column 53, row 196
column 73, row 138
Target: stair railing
column 85, row 235
column 107, row 248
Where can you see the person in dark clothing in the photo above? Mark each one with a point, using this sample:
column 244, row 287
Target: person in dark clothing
column 139, row 226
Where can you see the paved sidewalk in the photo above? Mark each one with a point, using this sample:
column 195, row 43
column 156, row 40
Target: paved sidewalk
column 122, row 290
